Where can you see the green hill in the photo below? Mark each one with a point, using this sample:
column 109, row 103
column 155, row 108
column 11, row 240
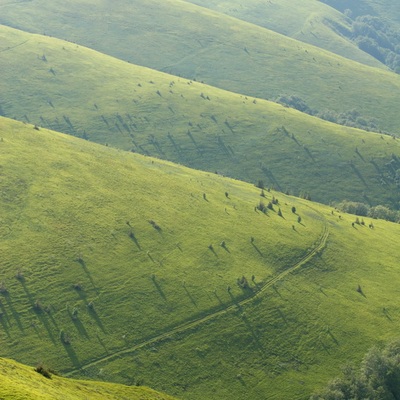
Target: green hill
column 125, row 268
column 19, row 382
column 81, row 92
column 309, row 21
column 387, row 9
column 225, row 52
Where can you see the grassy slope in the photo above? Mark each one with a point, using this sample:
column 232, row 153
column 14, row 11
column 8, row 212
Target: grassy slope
column 198, row 43
column 82, row 92
column 309, row 21
column 19, row 382
column 65, row 205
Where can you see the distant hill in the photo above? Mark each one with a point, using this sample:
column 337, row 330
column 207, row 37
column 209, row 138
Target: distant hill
column 183, row 39
column 84, row 93
column 309, row 21
column 19, row 382
column 383, row 8
column 121, row 267
column 375, row 28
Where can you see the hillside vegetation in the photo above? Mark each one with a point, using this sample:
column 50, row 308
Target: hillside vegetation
column 387, row 9
column 81, row 92
column 184, row 39
column 19, row 382
column 140, row 271
column 309, row 21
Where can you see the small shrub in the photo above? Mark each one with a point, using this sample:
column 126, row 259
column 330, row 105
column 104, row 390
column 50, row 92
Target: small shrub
column 37, row 306
column 261, row 206
column 78, row 287
column 260, row 184
column 20, row 276
column 74, row 314
column 64, row 337
column 42, row 370
column 243, row 282
column 3, row 288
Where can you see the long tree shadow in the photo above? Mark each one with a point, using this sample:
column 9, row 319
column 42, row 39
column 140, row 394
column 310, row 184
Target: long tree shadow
column 159, row 289
column 3, row 323
column 358, row 173
column 50, row 315
column 134, row 239
column 257, row 249
column 3, row 312
column 79, row 327
column 102, row 344
column 332, row 336
column 218, row 298
column 82, row 262
column 190, row 296
column 93, row 314
column 211, row 248
column 72, row 355
column 40, row 312
column 13, row 311
column 42, row 318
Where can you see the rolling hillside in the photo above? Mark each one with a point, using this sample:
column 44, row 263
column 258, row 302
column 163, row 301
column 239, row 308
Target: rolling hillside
column 121, row 267
column 19, row 382
column 84, row 93
column 187, row 40
column 380, row 8
column 309, row 21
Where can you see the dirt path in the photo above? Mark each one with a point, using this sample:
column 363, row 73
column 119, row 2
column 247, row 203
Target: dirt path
column 320, row 244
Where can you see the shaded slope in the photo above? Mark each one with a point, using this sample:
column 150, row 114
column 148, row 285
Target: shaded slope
column 81, row 92
column 184, row 39
column 19, row 382
column 309, row 21
column 381, row 8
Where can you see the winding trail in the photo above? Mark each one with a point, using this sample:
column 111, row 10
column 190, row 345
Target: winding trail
column 319, row 245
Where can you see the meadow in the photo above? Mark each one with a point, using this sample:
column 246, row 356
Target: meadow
column 196, row 43
column 126, row 268
column 310, row 21
column 133, row 108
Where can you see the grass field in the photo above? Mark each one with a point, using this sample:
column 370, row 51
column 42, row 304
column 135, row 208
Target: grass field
column 125, row 268
column 19, row 382
column 138, row 109
column 225, row 52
